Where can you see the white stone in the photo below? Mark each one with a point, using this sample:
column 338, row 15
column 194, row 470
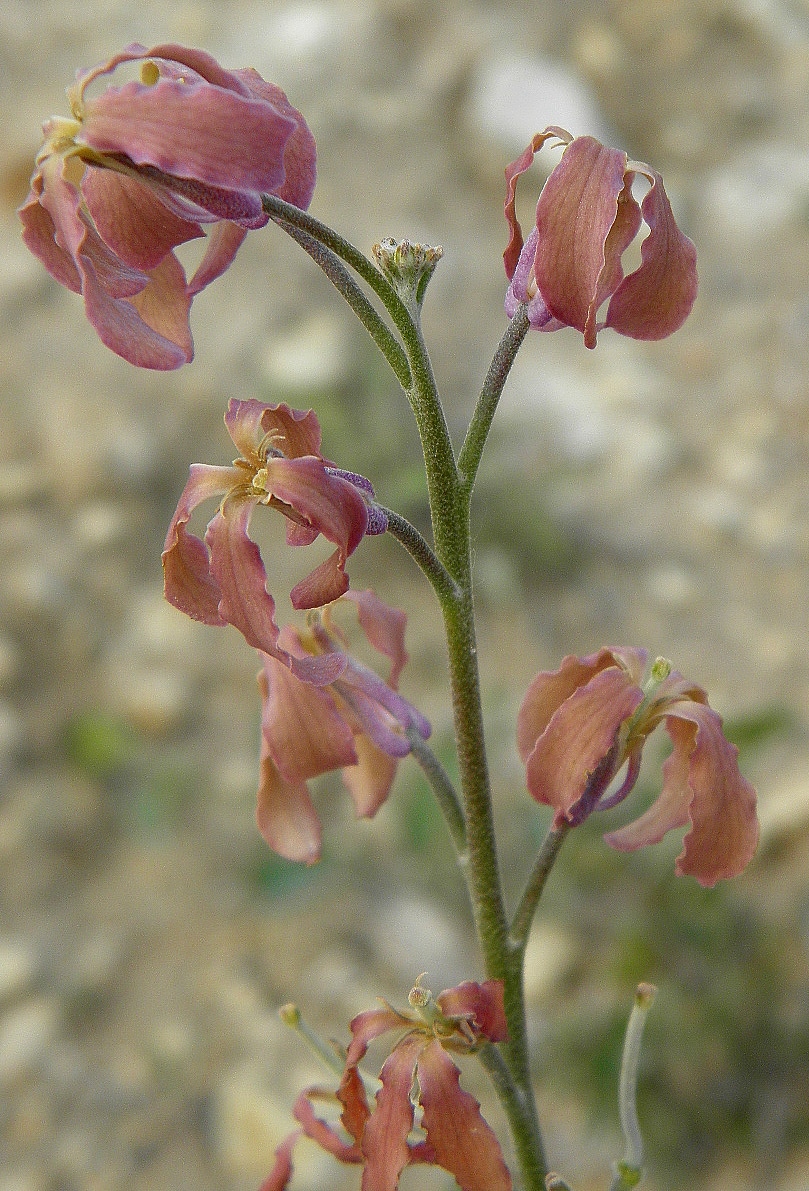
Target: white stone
column 515, row 96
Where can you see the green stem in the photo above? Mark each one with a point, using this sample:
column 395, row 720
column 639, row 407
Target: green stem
column 356, row 299
column 449, row 506
column 449, row 568
column 288, row 213
column 445, row 793
column 520, row 1110
column 422, row 553
column 480, row 423
column 524, row 914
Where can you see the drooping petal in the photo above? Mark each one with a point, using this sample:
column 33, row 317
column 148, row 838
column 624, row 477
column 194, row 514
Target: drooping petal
column 625, row 227
column 281, row 1173
column 703, row 785
column 224, row 241
column 188, row 582
column 369, row 781
column 40, row 235
column 551, row 688
column 329, row 503
column 164, row 305
column 481, row 1004
column 191, row 130
column 351, row 1095
column 656, row 299
column 369, row 1025
column 321, row 586
column 578, row 739
column 151, row 330
column 302, row 729
column 285, row 815
column 464, row 1144
column 575, row 212
column 384, row 1142
column 300, row 153
column 237, row 567
column 318, row 1130
column 384, row 627
column 513, row 172
column 131, row 220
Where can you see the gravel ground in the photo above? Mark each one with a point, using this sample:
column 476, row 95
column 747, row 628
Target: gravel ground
column 145, row 940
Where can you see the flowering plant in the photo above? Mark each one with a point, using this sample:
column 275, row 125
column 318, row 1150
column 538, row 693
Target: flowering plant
column 143, row 167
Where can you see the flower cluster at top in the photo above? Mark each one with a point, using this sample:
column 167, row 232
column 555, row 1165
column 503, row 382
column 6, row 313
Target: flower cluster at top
column 143, row 167
column 420, row 1086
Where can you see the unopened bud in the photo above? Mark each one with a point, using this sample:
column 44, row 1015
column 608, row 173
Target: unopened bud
column 408, row 266
column 661, row 668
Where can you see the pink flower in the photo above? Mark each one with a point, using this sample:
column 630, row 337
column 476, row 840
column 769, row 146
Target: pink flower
column 222, row 580
column 356, row 722
column 456, row 1137
column 571, row 262
column 140, row 168
column 577, row 727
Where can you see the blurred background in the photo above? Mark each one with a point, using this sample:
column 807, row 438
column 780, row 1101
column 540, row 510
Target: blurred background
column 639, row 494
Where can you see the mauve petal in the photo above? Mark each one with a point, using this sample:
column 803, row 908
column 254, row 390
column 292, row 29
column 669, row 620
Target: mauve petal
column 464, row 1144
column 224, row 241
column 170, row 56
column 200, row 201
column 246, row 604
column 40, row 236
column 623, row 231
column 670, row 808
column 575, row 212
column 321, row 586
column 191, row 130
column 351, row 1095
column 550, row 688
column 132, row 328
column 369, row 781
column 482, row 1004
column 281, row 1173
column 702, row 783
column 131, row 220
column 366, row 693
column 369, row 1025
column 60, row 198
column 243, row 421
column 656, row 299
column 522, row 285
column 319, row 1131
column 294, row 432
column 384, row 627
column 188, row 582
column 300, row 153
column 303, row 731
column 285, row 815
column 513, row 172
column 578, row 738
column 384, row 1141
column 164, row 304
column 329, row 503
column 725, row 830
column 237, row 567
